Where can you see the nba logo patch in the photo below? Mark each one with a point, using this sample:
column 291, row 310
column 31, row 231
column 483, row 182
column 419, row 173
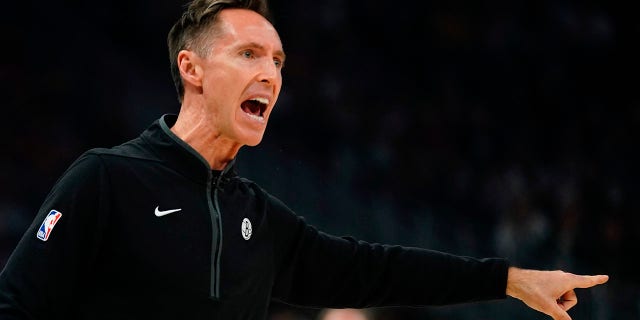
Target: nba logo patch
column 47, row 225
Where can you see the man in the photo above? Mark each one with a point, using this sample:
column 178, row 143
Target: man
column 162, row 227
column 344, row 314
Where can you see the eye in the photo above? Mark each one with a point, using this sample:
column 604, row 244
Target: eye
column 278, row 63
column 247, row 54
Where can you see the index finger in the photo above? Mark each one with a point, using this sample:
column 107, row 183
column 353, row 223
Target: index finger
column 590, row 281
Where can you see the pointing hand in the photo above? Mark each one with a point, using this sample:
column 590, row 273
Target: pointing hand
column 550, row 292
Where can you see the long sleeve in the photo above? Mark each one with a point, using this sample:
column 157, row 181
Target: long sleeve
column 318, row 269
column 51, row 261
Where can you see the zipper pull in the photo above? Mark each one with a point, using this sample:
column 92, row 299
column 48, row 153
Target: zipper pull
column 218, row 182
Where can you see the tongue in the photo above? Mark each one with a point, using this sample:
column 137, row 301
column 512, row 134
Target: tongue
column 251, row 107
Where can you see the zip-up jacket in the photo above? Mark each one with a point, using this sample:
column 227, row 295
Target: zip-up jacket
column 146, row 230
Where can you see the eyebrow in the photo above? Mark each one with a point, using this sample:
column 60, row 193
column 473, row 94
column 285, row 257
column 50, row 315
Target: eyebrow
column 261, row 47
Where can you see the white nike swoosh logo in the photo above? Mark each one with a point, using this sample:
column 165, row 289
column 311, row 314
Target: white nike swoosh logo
column 165, row 212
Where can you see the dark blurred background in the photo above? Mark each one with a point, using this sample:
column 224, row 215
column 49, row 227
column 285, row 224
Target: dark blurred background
column 483, row 128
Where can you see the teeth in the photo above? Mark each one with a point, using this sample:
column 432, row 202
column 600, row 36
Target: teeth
column 255, row 117
column 261, row 100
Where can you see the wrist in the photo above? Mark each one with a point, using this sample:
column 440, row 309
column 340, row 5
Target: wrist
column 514, row 274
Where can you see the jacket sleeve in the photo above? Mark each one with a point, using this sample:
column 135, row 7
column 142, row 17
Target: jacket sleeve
column 322, row 270
column 42, row 276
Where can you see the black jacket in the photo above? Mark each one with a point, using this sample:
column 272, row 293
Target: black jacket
column 117, row 247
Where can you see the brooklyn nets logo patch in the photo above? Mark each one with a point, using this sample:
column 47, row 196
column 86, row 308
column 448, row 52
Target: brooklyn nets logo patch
column 246, row 229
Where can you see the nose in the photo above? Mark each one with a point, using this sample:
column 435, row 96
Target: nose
column 269, row 71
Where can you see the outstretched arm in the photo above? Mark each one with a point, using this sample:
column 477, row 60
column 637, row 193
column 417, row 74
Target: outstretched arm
column 550, row 292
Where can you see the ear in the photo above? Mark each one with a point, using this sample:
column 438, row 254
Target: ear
column 190, row 69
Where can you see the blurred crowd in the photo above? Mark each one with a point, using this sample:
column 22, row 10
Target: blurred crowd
column 495, row 128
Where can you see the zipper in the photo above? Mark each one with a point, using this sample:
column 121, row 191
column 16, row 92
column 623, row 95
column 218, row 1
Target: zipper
column 216, row 224
column 216, row 234
column 219, row 242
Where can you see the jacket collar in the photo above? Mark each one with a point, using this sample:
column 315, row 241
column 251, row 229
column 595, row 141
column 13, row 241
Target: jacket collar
column 179, row 155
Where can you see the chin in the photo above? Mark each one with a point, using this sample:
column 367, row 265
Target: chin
column 253, row 144
column 252, row 141
column 247, row 136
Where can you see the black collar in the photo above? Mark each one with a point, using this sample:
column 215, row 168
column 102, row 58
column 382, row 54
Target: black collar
column 179, row 155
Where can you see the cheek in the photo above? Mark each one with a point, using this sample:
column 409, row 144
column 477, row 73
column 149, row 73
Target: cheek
column 220, row 96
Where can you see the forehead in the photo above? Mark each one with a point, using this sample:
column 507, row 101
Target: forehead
column 236, row 26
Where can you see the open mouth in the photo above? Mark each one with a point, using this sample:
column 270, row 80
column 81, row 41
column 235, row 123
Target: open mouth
column 255, row 107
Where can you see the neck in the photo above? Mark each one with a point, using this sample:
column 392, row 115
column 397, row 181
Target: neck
column 195, row 129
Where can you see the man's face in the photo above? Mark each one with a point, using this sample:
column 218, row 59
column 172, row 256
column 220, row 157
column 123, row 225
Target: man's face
column 242, row 75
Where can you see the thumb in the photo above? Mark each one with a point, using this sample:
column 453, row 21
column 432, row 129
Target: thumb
column 559, row 314
column 553, row 309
